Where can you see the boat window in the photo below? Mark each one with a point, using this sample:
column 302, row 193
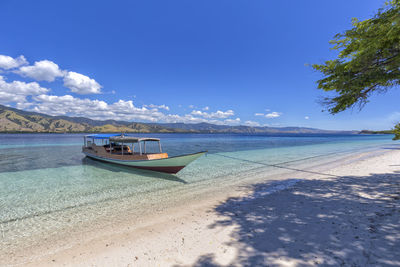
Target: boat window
column 151, row 147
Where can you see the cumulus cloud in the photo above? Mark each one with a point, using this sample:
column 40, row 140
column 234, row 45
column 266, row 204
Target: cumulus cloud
column 7, row 62
column 81, row 84
column 214, row 115
column 69, row 105
column 187, row 118
column 120, row 110
column 306, row 117
column 158, row 106
column 32, row 96
column 232, row 121
column 23, row 105
column 44, row 70
column 270, row 115
column 17, row 91
column 95, row 109
column 273, row 115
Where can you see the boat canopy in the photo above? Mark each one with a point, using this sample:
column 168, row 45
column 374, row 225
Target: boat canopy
column 131, row 139
column 101, row 136
column 121, row 138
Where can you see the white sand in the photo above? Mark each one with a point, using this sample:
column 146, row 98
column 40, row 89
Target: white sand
column 348, row 215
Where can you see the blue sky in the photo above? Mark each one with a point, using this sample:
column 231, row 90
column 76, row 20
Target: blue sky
column 226, row 62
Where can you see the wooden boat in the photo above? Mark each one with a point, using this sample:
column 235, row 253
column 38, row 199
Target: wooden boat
column 131, row 151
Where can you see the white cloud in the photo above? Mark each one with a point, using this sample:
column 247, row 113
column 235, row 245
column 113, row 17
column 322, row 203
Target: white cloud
column 306, row 117
column 44, row 70
column 33, row 97
column 24, row 105
column 81, row 84
column 95, row 109
column 259, row 114
column 7, row 62
column 273, row 115
column 199, row 113
column 17, row 91
column 251, row 123
column 157, row 106
column 120, row 110
column 232, row 121
column 214, row 115
column 187, row 118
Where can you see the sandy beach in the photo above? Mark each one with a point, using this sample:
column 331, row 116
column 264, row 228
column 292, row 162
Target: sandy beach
column 347, row 215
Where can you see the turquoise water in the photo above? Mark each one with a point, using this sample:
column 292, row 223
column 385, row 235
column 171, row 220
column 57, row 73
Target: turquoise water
column 47, row 185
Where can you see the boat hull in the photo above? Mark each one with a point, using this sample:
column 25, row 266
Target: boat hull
column 168, row 165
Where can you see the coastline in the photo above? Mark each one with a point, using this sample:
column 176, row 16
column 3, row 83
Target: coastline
column 209, row 227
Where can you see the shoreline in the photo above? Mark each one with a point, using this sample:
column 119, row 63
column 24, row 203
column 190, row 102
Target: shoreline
column 181, row 235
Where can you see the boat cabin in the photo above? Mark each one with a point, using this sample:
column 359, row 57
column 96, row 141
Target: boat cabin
column 123, row 147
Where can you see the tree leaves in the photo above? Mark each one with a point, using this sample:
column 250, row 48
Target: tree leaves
column 368, row 61
column 396, row 131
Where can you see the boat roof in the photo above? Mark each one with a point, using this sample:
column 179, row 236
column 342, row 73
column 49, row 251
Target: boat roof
column 121, row 138
column 131, row 139
column 101, row 136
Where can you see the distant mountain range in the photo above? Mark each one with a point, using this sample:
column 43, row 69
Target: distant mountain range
column 14, row 120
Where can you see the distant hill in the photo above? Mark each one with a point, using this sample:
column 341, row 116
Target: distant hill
column 212, row 128
column 377, row 132
column 15, row 120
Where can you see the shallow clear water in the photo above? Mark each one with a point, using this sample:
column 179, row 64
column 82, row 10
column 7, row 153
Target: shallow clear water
column 47, row 185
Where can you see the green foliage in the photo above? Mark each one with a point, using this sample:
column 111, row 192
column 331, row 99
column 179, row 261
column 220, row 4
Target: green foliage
column 396, row 131
column 376, row 132
column 368, row 60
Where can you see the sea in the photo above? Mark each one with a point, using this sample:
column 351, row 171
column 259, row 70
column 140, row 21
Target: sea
column 49, row 188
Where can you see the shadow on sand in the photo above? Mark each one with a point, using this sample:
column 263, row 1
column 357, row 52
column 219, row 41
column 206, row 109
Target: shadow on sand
column 345, row 221
column 120, row 168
